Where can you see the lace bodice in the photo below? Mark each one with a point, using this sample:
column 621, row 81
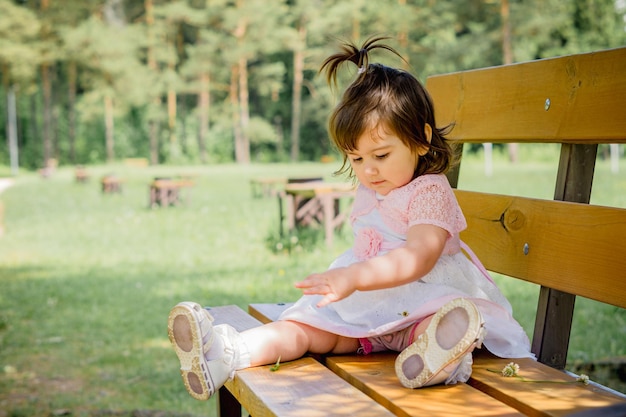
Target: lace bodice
column 428, row 199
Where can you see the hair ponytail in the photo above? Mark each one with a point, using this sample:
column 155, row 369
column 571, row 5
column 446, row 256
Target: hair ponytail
column 358, row 56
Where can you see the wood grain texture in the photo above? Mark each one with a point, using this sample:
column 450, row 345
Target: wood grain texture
column 375, row 375
column 559, row 394
column 586, row 92
column 572, row 247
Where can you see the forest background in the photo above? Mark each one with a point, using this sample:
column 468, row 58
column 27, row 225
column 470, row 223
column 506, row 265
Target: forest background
column 204, row 82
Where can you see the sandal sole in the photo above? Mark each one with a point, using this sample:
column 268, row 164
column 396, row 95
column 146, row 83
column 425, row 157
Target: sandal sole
column 434, row 357
column 185, row 334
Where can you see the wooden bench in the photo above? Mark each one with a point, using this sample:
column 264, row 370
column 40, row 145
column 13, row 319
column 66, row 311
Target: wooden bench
column 136, row 162
column 567, row 246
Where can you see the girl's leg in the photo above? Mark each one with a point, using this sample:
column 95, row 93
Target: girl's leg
column 210, row 355
column 289, row 340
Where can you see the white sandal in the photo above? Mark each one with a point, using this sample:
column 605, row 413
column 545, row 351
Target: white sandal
column 454, row 331
column 192, row 335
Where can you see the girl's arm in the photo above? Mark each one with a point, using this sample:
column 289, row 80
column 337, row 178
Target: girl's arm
column 410, row 262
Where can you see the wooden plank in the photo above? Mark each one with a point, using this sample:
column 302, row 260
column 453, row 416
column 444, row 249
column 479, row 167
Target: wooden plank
column 233, row 315
column 539, row 398
column 586, row 93
column 557, row 244
column 268, row 312
column 303, row 387
column 375, row 375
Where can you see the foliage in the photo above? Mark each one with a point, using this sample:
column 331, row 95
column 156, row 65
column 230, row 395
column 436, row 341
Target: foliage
column 228, row 69
column 296, row 241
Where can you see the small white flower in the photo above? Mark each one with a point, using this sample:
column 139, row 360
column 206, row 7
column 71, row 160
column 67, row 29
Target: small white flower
column 583, row 378
column 510, row 370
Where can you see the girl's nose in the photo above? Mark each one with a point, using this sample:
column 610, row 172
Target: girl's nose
column 370, row 169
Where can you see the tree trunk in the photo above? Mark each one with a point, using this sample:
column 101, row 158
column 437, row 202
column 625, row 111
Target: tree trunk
column 12, row 130
column 153, row 123
column 34, row 128
column 153, row 132
column 239, row 86
column 244, row 107
column 507, row 56
column 47, row 103
column 403, row 40
column 109, row 127
column 47, row 114
column 71, row 110
column 234, row 101
column 171, row 97
column 204, row 104
column 171, row 115
column 296, row 103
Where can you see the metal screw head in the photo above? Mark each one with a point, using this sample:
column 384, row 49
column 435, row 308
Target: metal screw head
column 526, row 248
column 546, row 106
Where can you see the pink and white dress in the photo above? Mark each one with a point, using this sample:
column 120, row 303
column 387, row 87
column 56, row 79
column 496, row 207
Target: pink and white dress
column 380, row 223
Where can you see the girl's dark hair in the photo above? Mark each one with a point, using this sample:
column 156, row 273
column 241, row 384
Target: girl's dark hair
column 384, row 95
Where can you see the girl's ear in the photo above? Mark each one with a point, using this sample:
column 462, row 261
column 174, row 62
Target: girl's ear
column 428, row 132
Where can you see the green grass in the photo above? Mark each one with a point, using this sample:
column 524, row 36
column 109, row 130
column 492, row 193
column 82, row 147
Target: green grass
column 87, row 280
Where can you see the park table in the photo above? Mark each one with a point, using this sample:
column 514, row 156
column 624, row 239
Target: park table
column 166, row 191
column 317, row 202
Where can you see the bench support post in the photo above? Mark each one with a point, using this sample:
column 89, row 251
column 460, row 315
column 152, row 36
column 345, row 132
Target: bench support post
column 454, row 172
column 555, row 309
column 227, row 404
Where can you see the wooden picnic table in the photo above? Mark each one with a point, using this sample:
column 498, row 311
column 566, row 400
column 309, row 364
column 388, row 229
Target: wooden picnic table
column 166, row 191
column 81, row 174
column 111, row 184
column 316, row 202
column 266, row 186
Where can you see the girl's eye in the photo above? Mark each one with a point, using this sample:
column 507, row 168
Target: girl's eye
column 383, row 156
column 357, row 159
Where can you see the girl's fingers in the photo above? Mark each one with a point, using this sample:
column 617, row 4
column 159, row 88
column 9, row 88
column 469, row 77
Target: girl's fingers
column 328, row 299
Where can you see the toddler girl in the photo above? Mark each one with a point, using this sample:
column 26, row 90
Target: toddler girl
column 405, row 285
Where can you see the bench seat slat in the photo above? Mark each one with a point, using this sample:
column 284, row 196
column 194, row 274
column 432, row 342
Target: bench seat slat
column 375, row 375
column 501, row 226
column 538, row 398
column 508, row 103
column 303, row 387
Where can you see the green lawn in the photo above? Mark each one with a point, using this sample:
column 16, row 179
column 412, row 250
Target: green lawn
column 87, row 280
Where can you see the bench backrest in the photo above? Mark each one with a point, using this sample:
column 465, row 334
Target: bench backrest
column 565, row 245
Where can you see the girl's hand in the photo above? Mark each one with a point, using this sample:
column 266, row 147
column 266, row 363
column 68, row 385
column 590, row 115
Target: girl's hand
column 333, row 284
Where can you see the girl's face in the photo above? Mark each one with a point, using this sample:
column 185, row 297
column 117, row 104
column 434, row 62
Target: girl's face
column 381, row 161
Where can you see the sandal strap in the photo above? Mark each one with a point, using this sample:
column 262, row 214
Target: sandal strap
column 205, row 323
